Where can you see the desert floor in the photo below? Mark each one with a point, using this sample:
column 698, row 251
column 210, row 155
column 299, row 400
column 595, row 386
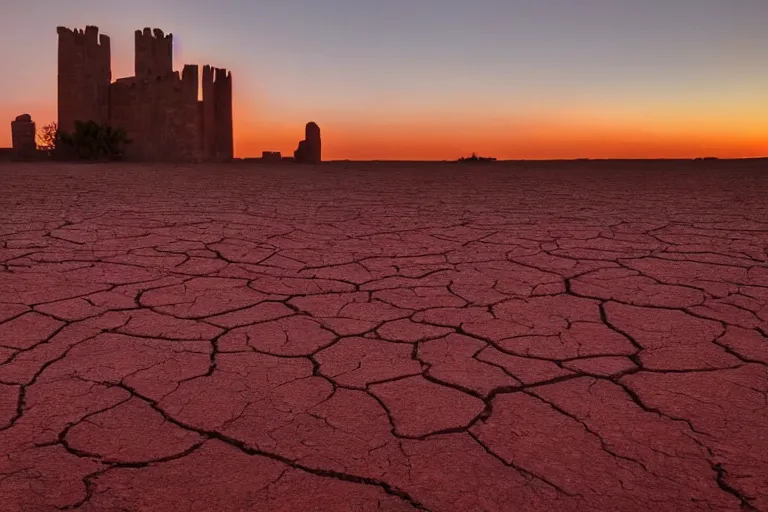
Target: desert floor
column 384, row 337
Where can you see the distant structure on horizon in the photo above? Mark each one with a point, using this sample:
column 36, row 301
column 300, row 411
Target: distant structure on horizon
column 159, row 109
column 23, row 132
column 309, row 150
column 475, row 158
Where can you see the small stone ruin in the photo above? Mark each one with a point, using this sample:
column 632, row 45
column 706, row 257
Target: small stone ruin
column 271, row 156
column 23, row 137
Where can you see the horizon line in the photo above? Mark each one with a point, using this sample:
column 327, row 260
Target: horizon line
column 520, row 160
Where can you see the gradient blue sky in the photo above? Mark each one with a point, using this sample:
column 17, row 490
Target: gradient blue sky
column 441, row 78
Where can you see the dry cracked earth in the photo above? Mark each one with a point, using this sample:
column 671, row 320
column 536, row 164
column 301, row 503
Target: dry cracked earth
column 384, row 338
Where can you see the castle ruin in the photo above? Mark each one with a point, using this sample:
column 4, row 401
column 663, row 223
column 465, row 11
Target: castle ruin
column 158, row 108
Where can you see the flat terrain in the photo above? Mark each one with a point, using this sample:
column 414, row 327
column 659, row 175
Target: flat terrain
column 384, row 337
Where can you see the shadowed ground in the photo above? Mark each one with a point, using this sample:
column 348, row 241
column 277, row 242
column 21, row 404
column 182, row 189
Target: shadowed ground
column 538, row 337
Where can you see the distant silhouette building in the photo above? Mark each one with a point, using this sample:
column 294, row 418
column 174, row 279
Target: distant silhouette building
column 310, row 149
column 475, row 158
column 271, row 156
column 159, row 109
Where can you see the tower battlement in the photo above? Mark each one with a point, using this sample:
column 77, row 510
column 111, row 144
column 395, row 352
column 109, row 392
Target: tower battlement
column 154, row 52
column 182, row 84
column 90, row 37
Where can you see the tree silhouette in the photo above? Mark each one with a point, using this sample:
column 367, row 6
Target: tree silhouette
column 47, row 136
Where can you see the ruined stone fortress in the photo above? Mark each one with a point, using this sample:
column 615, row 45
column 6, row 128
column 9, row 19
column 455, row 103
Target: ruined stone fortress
column 158, row 108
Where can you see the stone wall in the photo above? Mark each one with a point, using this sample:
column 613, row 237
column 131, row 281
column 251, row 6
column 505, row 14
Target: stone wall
column 160, row 116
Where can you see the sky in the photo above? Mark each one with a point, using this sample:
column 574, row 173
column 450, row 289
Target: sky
column 439, row 79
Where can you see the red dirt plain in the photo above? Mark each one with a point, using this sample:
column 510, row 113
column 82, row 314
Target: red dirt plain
column 590, row 336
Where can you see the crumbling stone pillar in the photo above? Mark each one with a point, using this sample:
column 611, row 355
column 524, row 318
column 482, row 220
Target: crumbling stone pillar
column 310, row 149
column 23, row 137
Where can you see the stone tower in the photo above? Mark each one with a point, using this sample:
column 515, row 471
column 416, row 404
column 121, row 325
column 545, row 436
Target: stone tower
column 154, row 53
column 217, row 114
column 84, row 75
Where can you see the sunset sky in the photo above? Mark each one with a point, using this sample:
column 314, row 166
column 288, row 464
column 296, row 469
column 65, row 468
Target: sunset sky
column 438, row 79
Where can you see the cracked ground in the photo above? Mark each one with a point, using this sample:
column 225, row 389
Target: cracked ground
column 538, row 337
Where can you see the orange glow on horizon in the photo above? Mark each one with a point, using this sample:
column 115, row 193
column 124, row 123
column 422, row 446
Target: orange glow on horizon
column 440, row 140
column 538, row 141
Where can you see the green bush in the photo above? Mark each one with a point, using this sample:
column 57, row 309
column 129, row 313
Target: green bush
column 92, row 141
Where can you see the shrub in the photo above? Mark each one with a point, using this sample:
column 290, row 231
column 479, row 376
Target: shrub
column 92, row 141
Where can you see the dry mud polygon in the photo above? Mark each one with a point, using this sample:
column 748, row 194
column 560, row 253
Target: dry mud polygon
column 375, row 337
